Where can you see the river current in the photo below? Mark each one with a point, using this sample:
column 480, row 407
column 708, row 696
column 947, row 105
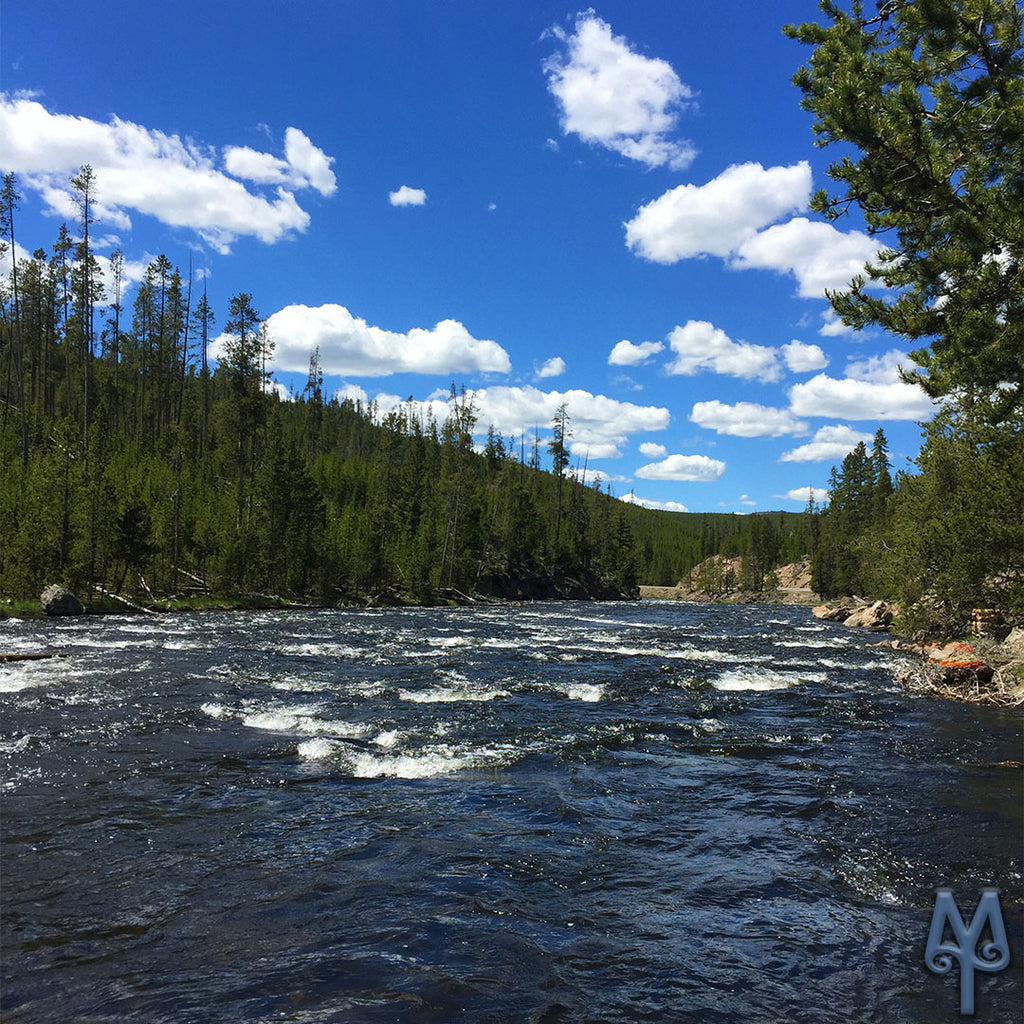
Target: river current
column 563, row 812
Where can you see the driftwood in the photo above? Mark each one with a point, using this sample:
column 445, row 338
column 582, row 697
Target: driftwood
column 30, row 656
column 124, row 600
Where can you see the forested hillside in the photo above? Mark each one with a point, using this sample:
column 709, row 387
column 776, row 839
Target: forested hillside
column 130, row 462
column 927, row 103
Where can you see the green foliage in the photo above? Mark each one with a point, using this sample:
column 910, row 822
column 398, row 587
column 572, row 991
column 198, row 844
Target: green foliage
column 930, row 96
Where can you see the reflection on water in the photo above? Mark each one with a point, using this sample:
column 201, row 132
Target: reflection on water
column 553, row 812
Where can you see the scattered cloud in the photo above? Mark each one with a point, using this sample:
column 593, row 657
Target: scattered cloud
column 612, row 96
column 407, row 196
column 733, row 217
column 802, row 494
column 833, row 327
column 698, row 468
column 664, row 506
column 350, row 346
column 595, row 451
column 802, row 358
column 352, row 392
column 817, row 254
column 699, row 345
column 652, row 450
column 746, row 419
column 303, row 166
column 590, row 475
column 553, row 367
column 625, row 353
column 881, row 369
column 715, row 219
column 594, row 420
column 598, row 425
column 828, row 443
column 859, row 400
column 175, row 180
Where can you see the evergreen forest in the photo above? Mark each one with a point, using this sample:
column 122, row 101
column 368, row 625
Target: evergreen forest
column 134, row 465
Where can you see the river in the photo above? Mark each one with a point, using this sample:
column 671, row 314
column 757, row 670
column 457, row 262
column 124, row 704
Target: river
column 555, row 812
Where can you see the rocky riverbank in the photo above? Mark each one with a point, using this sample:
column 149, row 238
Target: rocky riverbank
column 981, row 668
column 718, row 579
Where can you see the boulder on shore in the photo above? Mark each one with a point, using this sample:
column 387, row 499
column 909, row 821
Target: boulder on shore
column 58, row 600
column 878, row 615
column 851, row 612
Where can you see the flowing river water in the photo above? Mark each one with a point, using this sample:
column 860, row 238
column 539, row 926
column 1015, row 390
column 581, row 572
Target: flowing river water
column 563, row 812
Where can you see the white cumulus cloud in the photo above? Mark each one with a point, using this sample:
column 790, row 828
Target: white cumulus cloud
column 746, row 419
column 625, row 353
column 664, row 506
column 697, row 468
column 612, row 96
column 303, row 166
column 802, row 358
column 818, row 255
column 859, row 400
column 598, row 426
column 881, row 369
column 407, row 196
column 828, row 443
column 175, row 180
column 734, row 217
column 652, row 450
column 699, row 345
column 350, row 346
column 803, row 494
column 594, row 420
column 553, row 367
column 717, row 218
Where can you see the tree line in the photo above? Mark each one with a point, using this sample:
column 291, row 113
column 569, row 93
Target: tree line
column 132, row 462
column 927, row 100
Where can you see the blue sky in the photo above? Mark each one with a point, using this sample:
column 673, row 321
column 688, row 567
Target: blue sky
column 606, row 208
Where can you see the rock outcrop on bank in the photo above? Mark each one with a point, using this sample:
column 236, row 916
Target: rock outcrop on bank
column 877, row 615
column 719, row 579
column 981, row 669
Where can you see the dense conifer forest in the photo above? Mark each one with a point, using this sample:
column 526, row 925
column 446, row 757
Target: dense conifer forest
column 132, row 463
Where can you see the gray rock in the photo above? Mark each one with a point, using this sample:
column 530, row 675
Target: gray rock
column 59, row 601
column 872, row 616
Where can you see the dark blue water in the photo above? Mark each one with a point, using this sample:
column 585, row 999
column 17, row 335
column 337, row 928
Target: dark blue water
column 547, row 813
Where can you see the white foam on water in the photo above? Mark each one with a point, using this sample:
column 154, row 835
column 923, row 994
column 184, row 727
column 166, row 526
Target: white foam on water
column 762, row 679
column 455, row 687
column 272, row 721
column 16, row 746
column 444, row 695
column 587, row 692
column 318, row 749
column 22, row 676
column 215, row 710
column 839, row 641
column 322, row 650
column 427, row 762
column 449, row 641
column 388, row 739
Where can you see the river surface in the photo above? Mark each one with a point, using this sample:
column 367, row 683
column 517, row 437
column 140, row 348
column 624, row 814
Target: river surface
column 541, row 813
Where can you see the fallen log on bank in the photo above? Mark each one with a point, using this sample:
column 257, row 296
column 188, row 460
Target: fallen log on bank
column 124, row 601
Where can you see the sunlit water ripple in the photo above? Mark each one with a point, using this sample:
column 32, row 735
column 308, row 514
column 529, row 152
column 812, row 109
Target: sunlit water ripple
column 544, row 813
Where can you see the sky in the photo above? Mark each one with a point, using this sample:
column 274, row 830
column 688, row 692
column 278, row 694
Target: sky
column 606, row 208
